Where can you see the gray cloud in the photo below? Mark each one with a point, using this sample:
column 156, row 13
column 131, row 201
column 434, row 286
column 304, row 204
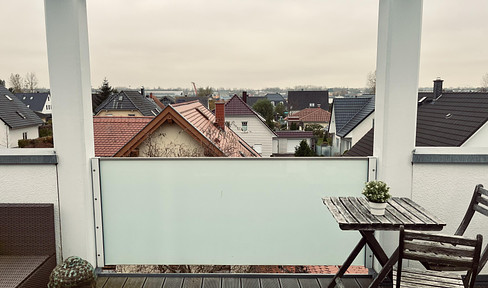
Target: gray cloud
column 248, row 43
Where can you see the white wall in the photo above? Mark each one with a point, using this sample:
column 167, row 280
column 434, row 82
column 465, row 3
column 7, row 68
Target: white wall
column 257, row 132
column 360, row 130
column 479, row 139
column 16, row 135
column 48, row 106
column 170, row 140
column 31, row 184
column 446, row 190
column 13, row 135
column 3, row 135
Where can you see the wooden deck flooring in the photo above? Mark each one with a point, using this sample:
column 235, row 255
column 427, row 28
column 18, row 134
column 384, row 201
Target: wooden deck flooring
column 247, row 281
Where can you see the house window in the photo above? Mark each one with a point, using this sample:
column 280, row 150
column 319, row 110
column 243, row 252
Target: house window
column 132, row 114
column 48, row 107
column 24, row 135
column 244, row 126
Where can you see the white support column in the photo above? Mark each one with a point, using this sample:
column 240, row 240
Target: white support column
column 69, row 74
column 397, row 74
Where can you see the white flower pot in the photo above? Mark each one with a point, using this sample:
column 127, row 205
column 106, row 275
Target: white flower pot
column 377, row 208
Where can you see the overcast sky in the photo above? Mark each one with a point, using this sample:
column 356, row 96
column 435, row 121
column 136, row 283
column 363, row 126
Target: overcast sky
column 247, row 43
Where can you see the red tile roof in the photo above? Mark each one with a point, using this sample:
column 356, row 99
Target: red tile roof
column 112, row 133
column 314, row 115
column 203, row 120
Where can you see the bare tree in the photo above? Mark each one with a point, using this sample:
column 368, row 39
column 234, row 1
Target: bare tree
column 484, row 83
column 16, row 83
column 371, row 82
column 30, row 82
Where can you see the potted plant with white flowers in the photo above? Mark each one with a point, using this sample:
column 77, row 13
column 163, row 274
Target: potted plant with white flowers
column 377, row 194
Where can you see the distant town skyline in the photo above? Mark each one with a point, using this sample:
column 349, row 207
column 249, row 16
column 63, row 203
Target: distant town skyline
column 247, row 43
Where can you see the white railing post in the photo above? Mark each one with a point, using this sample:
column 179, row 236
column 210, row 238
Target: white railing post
column 69, row 75
column 397, row 74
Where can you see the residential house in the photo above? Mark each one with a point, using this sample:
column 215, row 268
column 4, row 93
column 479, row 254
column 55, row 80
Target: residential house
column 40, row 103
column 299, row 100
column 187, row 130
column 275, row 99
column 286, row 141
column 111, row 133
column 351, row 119
column 309, row 116
column 128, row 103
column 249, row 125
column 19, row 122
column 444, row 119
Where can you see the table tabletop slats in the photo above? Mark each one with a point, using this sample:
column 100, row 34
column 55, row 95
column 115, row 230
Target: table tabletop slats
column 351, row 213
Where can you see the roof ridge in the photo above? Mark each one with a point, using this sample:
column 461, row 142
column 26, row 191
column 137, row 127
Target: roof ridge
column 355, row 114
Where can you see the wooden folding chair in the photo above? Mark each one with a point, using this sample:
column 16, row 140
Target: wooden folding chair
column 449, row 251
column 479, row 203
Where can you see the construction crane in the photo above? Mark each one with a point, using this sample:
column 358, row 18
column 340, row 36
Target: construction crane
column 195, row 88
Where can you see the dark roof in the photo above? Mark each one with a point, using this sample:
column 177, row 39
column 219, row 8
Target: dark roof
column 252, row 100
column 97, row 99
column 360, row 115
column 299, row 100
column 130, row 100
column 276, row 97
column 183, row 99
column 364, row 147
column 447, row 122
column 346, row 108
column 14, row 113
column 294, row 134
column 451, row 119
column 35, row 101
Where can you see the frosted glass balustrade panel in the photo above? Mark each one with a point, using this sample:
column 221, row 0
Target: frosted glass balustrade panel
column 226, row 211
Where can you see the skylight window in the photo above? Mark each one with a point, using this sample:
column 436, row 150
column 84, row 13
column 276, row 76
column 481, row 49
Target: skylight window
column 448, row 115
column 8, row 97
column 21, row 115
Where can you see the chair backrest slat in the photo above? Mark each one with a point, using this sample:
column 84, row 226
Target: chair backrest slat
column 480, row 209
column 445, row 250
column 459, row 262
column 449, row 250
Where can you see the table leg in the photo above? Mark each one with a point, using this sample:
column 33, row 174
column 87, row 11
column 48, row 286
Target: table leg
column 385, row 270
column 380, row 254
column 348, row 261
column 375, row 246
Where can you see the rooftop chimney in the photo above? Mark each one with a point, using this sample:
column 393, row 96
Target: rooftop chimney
column 143, row 93
column 244, row 96
column 220, row 114
column 437, row 88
